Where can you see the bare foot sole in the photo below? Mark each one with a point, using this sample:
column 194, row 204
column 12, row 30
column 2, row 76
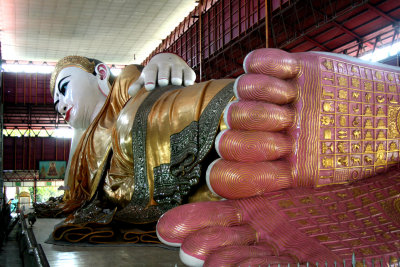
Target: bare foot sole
column 301, row 120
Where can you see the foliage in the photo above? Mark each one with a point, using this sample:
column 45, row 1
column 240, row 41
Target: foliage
column 44, row 193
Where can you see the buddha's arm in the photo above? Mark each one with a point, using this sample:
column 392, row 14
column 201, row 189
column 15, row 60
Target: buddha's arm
column 162, row 70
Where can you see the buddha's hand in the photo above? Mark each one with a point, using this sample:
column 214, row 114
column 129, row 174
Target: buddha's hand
column 164, row 69
column 293, row 226
column 306, row 119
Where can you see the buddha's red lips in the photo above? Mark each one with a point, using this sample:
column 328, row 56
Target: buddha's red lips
column 67, row 115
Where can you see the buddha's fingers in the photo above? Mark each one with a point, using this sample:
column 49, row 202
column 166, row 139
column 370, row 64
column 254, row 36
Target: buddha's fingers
column 264, row 88
column 252, row 146
column 176, row 76
column 258, row 116
column 189, row 76
column 197, row 246
column 176, row 224
column 272, row 62
column 234, row 180
column 164, row 71
column 150, row 77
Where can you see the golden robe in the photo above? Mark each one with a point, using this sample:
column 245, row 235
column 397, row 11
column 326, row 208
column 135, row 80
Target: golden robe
column 144, row 154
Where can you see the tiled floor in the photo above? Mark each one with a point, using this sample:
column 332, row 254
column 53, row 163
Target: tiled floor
column 99, row 256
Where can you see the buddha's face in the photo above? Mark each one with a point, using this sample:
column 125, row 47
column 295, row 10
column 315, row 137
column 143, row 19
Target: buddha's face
column 77, row 97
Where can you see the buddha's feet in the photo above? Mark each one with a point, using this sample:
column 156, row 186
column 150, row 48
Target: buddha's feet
column 301, row 120
column 306, row 119
column 297, row 225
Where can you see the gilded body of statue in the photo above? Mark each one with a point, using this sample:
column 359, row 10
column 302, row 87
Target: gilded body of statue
column 306, row 158
column 136, row 152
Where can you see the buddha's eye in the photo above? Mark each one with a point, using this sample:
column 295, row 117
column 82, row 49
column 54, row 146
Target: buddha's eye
column 63, row 88
column 62, row 85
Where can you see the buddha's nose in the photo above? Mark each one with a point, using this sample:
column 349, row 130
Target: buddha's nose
column 62, row 108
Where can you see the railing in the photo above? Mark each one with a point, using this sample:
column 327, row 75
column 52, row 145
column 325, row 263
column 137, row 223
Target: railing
column 31, row 252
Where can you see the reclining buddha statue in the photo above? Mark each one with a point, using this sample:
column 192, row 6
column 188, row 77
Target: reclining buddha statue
column 299, row 155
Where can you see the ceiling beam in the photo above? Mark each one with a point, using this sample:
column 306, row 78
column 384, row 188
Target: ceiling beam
column 319, row 24
column 380, row 13
column 369, row 37
column 349, row 32
column 346, row 30
column 316, row 43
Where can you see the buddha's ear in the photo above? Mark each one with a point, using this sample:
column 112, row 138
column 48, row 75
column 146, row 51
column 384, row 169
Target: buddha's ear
column 103, row 74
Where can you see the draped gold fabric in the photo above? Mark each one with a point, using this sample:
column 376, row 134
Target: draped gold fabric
column 173, row 111
column 96, row 140
column 111, row 132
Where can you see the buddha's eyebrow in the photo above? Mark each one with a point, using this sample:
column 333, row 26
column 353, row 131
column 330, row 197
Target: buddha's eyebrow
column 59, row 83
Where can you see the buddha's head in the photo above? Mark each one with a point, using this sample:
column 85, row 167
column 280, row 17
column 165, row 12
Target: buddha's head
column 79, row 87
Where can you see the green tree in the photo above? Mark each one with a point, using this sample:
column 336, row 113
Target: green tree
column 44, row 193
